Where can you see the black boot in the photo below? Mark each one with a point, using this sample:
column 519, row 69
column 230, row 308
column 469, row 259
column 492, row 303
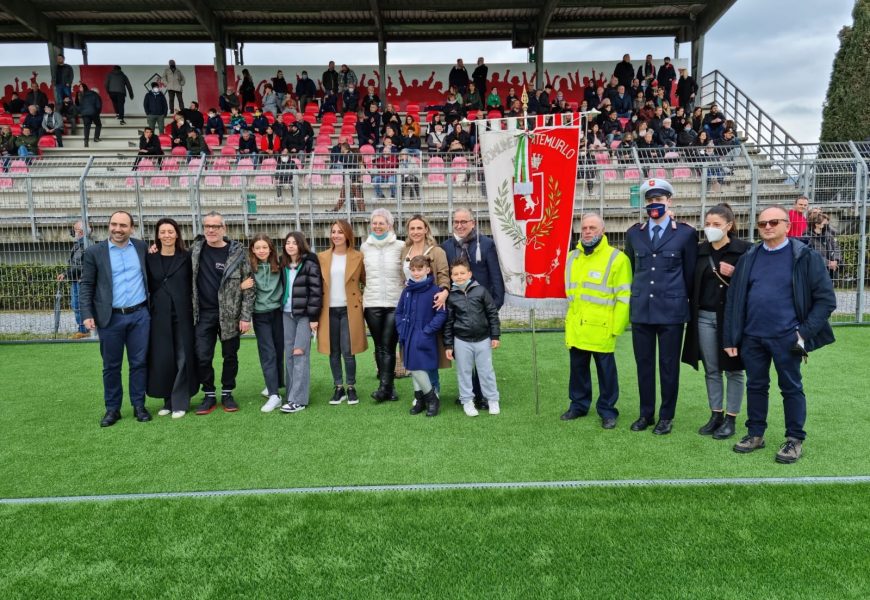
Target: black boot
column 433, row 403
column 378, row 394
column 726, row 430
column 419, row 404
column 716, row 420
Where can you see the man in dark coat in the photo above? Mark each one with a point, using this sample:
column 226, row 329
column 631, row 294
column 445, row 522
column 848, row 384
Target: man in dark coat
column 666, row 77
column 330, row 79
column 479, row 78
column 90, row 107
column 458, row 77
column 624, row 71
column 118, row 86
column 62, row 78
column 305, row 90
column 778, row 307
column 156, row 108
column 687, row 87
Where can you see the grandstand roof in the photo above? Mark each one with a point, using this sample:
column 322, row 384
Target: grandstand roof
column 71, row 23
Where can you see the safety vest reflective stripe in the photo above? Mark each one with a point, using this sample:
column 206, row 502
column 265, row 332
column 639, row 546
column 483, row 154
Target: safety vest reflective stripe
column 623, row 299
column 621, row 288
column 596, row 300
column 570, row 285
column 603, row 287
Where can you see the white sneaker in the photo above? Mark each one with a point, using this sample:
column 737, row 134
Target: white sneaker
column 494, row 408
column 469, row 409
column 163, row 412
column 177, row 414
column 292, row 407
column 273, row 403
column 265, row 393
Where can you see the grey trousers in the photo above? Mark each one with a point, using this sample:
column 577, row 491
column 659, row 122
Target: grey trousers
column 708, row 342
column 339, row 346
column 297, row 335
column 155, row 122
column 421, row 381
column 469, row 355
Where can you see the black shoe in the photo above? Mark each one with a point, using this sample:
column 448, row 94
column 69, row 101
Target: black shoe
column 208, row 404
column 229, row 403
column 419, row 404
column 432, row 402
column 570, row 415
column 96, row 139
column 110, row 418
column 142, row 414
column 481, row 404
column 726, row 430
column 715, row 421
column 352, row 398
column 87, row 145
column 123, row 122
column 663, row 427
column 338, row 396
column 608, row 423
column 642, row 423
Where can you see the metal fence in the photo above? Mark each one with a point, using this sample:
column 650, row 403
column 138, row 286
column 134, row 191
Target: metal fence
column 42, row 200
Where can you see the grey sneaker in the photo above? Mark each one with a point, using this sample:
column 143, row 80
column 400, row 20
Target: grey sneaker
column 748, row 444
column 790, row 451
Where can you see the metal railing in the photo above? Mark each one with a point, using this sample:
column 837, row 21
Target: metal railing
column 42, row 199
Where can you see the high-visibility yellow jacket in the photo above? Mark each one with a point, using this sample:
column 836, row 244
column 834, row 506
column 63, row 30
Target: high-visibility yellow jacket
column 598, row 288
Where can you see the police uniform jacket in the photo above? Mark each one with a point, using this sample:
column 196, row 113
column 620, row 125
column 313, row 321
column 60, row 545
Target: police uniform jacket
column 663, row 273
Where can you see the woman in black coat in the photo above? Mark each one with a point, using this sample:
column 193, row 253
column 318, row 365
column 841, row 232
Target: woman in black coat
column 171, row 360
column 713, row 270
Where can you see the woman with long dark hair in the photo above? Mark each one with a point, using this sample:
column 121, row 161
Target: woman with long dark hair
column 247, row 89
column 171, row 360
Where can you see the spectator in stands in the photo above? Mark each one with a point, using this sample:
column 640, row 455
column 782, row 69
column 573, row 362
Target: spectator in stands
column 687, row 136
column 714, row 122
column 329, row 104
column 90, row 107
column 687, row 87
column 178, row 130
column 435, row 140
column 62, row 78
column 624, row 153
column 27, row 144
column 728, row 145
column 349, row 160
column 493, row 101
column 366, row 134
column 457, row 140
column 595, row 137
column 279, row 86
column 73, row 274
column 634, row 89
column 174, row 81
column 622, row 102
column 118, row 86
column 294, row 141
column 395, row 137
column 193, row 116
column 679, row 119
column 612, row 88
column 260, row 122
column 371, row 98
column 290, row 105
column 452, row 109
column 697, row 119
column 639, row 103
column 52, row 124
column 797, row 218
column 305, row 90
column 156, row 108
column 33, row 119
column 247, row 144
column 472, row 99
column 479, row 77
column 215, row 125
column 409, row 175
column 611, row 128
column 821, row 237
column 458, row 77
column 229, row 100
column 667, row 134
column 510, row 98
column 646, row 73
column 247, row 90
column 270, row 142
column 330, row 78
column 35, row 96
column 385, row 165
column 346, row 79
column 666, row 76
column 666, row 108
column 436, row 119
column 649, row 146
column 7, row 145
column 389, row 116
column 149, row 144
column 350, row 99
column 237, row 120
column 624, row 71
column 271, row 100
column 196, row 143
column 69, row 112
column 374, row 119
column 15, row 106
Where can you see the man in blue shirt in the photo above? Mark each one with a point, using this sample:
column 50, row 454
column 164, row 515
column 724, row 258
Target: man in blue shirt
column 662, row 254
column 114, row 301
column 778, row 307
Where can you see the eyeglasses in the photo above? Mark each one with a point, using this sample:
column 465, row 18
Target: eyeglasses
column 213, row 227
column 771, row 222
column 465, row 222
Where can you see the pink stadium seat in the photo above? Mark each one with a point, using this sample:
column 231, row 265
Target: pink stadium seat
column 131, row 181
column 460, row 164
column 366, row 149
column 493, row 114
column 245, row 164
column 309, row 117
column 167, row 130
column 311, row 108
column 672, row 155
column 47, row 141
column 268, row 165
column 682, row 173
column 660, row 174
column 249, row 118
column 221, row 164
column 412, row 108
column 146, row 164
column 6, row 119
column 18, row 166
column 609, row 175
column 471, row 115
column 212, row 181
column 6, row 182
column 326, row 129
column 232, row 140
column 228, row 151
column 266, row 180
column 194, row 165
column 213, row 140
column 159, row 181
column 328, row 119
column 170, row 164
column 602, row 158
column 336, row 179
column 622, row 122
column 225, row 117
column 614, row 144
column 179, row 151
column 165, row 141
column 436, row 162
column 632, row 174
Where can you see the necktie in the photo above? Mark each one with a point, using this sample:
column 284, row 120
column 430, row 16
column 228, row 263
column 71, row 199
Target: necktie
column 657, row 234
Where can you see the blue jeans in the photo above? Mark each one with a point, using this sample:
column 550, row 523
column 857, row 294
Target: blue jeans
column 61, row 92
column 379, row 179
column 76, row 306
column 580, row 383
column 757, row 355
column 131, row 332
column 23, row 151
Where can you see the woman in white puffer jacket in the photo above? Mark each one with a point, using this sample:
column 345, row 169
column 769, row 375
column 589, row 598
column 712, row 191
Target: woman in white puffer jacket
column 382, row 256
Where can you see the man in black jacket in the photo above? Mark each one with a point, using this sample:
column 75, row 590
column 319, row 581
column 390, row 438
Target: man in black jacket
column 458, row 77
column 778, row 307
column 624, row 71
column 156, row 108
column 687, row 87
column 118, row 86
column 330, row 79
column 149, row 144
column 479, row 78
column 90, row 107
column 62, row 78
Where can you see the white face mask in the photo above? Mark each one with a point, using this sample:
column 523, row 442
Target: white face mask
column 713, row 234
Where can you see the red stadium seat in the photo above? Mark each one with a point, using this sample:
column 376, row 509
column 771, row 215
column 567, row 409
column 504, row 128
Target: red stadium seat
column 179, row 151
column 212, row 140
column 228, row 150
column 47, row 141
column 232, row 140
column 165, row 140
column 288, row 118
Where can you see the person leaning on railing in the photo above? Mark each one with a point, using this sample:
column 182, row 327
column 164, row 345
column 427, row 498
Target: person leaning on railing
column 821, row 237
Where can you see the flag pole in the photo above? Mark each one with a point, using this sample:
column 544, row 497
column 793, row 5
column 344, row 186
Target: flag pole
column 535, row 360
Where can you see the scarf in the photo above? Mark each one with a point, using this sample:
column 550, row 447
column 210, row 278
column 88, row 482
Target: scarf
column 465, row 242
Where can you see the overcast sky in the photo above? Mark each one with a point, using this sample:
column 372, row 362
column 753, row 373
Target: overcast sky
column 779, row 52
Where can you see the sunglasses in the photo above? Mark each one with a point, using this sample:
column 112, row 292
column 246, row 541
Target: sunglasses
column 771, row 222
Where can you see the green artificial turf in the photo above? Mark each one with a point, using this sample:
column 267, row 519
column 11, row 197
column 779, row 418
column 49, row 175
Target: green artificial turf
column 725, row 542
column 51, row 443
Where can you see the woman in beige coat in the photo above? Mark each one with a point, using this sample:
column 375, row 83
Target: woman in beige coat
column 342, row 330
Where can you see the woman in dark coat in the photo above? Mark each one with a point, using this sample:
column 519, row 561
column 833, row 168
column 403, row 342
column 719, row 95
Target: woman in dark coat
column 171, row 360
column 713, row 270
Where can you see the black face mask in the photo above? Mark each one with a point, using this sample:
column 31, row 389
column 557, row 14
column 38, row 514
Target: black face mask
column 656, row 210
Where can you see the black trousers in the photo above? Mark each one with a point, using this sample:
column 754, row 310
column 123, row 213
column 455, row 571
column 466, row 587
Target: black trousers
column 206, row 334
column 95, row 120
column 118, row 100
column 172, row 96
column 670, row 338
column 382, row 325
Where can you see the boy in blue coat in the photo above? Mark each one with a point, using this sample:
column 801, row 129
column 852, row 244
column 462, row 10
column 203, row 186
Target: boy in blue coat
column 418, row 322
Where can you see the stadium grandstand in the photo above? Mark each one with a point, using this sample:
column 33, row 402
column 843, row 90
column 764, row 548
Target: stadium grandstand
column 269, row 152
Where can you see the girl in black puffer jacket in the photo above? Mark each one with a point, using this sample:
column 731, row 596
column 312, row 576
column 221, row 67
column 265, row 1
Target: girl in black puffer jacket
column 302, row 302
